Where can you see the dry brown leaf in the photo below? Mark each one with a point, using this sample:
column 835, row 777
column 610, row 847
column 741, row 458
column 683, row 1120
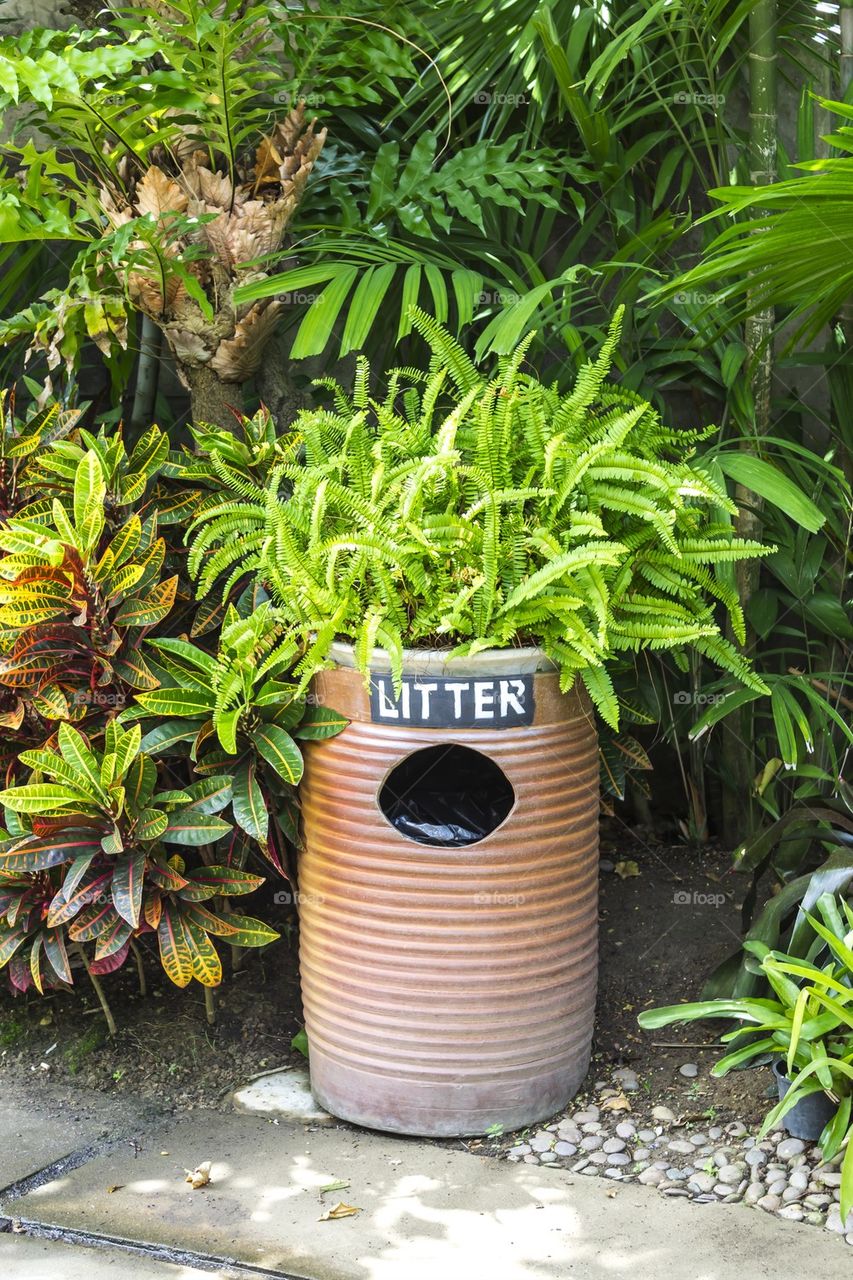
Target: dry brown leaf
column 199, row 1177
column 188, row 347
column 159, row 195
column 617, row 1103
column 268, row 162
column 237, row 358
column 215, row 188
column 340, row 1210
column 626, row 868
column 257, row 229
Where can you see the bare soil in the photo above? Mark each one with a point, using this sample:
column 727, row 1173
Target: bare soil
column 666, row 921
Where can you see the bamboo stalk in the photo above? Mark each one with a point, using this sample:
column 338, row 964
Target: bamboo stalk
column 147, row 374
column 758, row 339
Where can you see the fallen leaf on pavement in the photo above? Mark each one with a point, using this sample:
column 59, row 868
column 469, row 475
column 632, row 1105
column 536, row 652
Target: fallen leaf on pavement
column 118, row 1187
column 340, row 1210
column 618, row 1103
column 198, row 1177
column 340, row 1184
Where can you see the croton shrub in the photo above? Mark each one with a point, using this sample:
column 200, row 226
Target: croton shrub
column 150, row 748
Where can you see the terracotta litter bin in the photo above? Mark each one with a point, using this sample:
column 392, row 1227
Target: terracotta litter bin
column 449, row 976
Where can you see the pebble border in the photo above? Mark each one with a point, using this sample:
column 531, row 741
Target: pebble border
column 784, row 1176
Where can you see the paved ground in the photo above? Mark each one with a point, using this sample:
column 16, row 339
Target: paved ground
column 424, row 1211
column 25, row 1258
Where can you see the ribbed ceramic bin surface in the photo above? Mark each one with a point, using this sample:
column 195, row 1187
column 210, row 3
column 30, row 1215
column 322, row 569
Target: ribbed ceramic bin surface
column 446, row 989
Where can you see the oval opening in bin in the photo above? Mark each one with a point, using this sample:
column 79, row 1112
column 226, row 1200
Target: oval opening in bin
column 446, row 795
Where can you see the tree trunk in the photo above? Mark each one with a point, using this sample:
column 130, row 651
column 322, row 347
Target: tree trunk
column 846, row 59
column 758, row 330
column 274, row 381
column 211, row 399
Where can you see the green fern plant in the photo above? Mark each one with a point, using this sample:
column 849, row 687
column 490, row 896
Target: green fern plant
column 473, row 511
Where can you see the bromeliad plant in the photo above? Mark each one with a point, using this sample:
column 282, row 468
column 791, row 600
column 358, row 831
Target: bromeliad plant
column 807, row 1024
column 99, row 817
column 477, row 511
column 242, row 714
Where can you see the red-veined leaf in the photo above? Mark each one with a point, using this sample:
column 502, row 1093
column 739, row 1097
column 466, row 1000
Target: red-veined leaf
column 165, row 875
column 9, row 944
column 64, row 909
column 39, row 854
column 91, row 923
column 54, row 948
column 128, row 877
column 112, row 939
column 109, row 964
column 226, row 880
column 247, row 801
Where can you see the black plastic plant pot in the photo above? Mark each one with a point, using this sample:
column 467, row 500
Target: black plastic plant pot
column 808, row 1118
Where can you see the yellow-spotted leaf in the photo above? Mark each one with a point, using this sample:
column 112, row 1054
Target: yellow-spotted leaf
column 175, row 953
column 35, row 963
column 152, row 824
column 145, row 611
column 207, row 967
column 41, row 797
column 126, row 541
column 139, row 784
column 205, row 919
column 153, row 910
column 245, row 931
column 123, row 579
column 175, row 701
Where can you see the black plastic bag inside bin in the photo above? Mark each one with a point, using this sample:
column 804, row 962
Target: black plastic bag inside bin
column 446, row 795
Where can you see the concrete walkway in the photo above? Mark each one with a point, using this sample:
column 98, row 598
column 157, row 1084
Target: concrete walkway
column 425, row 1212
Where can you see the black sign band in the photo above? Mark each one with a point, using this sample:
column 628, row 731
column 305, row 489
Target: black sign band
column 465, row 702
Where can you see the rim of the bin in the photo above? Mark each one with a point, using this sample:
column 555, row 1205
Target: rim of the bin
column 438, row 662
